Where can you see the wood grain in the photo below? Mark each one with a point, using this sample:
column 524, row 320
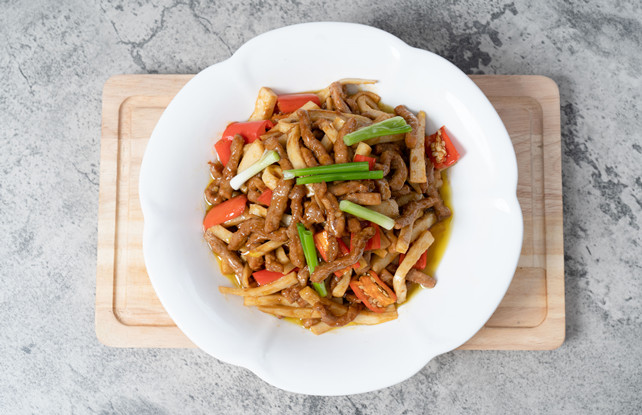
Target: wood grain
column 531, row 315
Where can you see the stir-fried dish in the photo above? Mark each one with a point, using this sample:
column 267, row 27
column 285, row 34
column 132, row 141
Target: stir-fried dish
column 321, row 205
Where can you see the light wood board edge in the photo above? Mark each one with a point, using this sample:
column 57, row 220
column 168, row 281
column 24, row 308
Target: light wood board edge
column 109, row 330
column 548, row 335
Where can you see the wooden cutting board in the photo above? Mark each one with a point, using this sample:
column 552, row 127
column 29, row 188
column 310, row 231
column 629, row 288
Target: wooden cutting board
column 531, row 315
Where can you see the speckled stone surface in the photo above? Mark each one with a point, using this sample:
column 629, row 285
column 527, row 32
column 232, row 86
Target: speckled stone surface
column 55, row 57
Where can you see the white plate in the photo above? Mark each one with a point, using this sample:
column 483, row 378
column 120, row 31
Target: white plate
column 474, row 273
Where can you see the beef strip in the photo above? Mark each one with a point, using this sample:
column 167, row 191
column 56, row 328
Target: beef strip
column 370, row 184
column 271, row 264
column 359, row 244
column 310, row 161
column 225, row 190
column 397, row 147
column 353, row 186
column 294, row 244
column 296, row 251
column 335, row 220
column 383, row 187
column 405, row 189
column 414, row 275
column 434, row 183
column 337, row 321
column 216, row 170
column 310, row 140
column 338, row 97
column 244, row 230
column 255, row 187
column 354, row 225
column 308, row 157
column 212, row 194
column 367, row 199
column 393, row 161
column 272, row 143
column 441, row 210
column 341, row 150
column 413, row 136
column 430, row 173
column 296, row 208
column 332, row 250
column 220, row 248
column 313, row 213
column 410, row 197
column 252, row 231
column 280, row 194
column 280, row 235
column 292, row 295
column 255, row 263
column 352, row 104
column 296, row 198
column 303, row 275
column 212, row 191
column 413, row 210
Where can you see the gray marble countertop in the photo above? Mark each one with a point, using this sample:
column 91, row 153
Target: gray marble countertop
column 55, row 58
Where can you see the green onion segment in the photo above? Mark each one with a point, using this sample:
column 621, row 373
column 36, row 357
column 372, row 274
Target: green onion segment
column 268, row 157
column 310, row 254
column 394, row 125
column 320, row 288
column 331, row 177
column 367, row 214
column 332, row 168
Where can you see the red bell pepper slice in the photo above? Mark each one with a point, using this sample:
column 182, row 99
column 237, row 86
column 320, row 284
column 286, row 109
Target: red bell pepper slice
column 343, row 247
column 224, row 150
column 321, row 242
column 250, row 131
column 225, row 211
column 374, row 242
column 441, row 150
column 421, row 262
column 344, row 251
column 292, row 102
column 371, row 160
column 264, row 276
column 265, row 198
column 374, row 293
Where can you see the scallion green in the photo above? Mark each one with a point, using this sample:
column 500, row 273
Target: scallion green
column 332, row 168
column 320, row 288
column 367, row 214
column 359, row 175
column 268, row 157
column 310, row 254
column 394, row 125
